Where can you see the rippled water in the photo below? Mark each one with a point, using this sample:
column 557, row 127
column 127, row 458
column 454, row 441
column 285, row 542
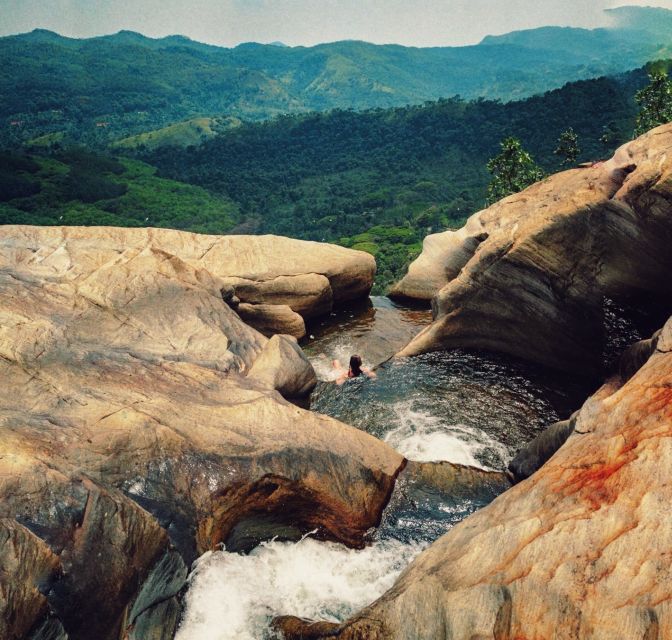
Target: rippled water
column 467, row 408
column 462, row 407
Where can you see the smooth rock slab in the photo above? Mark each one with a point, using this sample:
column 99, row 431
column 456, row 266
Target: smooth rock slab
column 308, row 277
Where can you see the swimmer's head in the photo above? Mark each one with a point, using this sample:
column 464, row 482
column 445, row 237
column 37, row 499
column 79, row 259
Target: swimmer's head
column 355, row 365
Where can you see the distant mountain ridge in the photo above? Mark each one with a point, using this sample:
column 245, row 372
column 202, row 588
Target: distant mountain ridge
column 114, row 86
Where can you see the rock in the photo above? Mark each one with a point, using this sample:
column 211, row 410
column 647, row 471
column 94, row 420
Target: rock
column 309, row 294
column 539, row 263
column 457, row 480
column 27, row 566
column 293, row 627
column 270, row 319
column 132, row 438
column 578, row 550
column 156, row 609
column 283, row 366
column 310, row 278
column 635, row 356
column 229, row 296
column 537, row 452
column 442, row 258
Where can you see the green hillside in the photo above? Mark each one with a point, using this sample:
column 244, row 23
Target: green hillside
column 108, row 88
column 380, row 180
column 78, row 187
column 180, row 134
column 377, row 180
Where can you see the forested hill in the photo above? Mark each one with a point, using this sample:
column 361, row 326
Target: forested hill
column 382, row 179
column 297, row 173
column 111, row 87
column 379, row 180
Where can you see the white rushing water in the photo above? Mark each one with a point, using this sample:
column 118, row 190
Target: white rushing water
column 423, row 437
column 233, row 596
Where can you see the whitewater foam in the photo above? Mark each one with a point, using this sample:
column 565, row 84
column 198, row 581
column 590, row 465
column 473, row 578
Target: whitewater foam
column 423, row 437
column 236, row 596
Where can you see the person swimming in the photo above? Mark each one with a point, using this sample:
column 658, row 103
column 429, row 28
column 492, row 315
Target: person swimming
column 354, row 371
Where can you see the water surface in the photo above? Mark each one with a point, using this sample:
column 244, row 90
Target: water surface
column 462, row 407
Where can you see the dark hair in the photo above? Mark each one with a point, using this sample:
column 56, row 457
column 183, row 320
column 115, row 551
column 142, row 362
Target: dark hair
column 355, row 365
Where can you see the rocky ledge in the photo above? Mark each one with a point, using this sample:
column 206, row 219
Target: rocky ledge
column 141, row 424
column 581, row 547
column 528, row 276
column 276, row 283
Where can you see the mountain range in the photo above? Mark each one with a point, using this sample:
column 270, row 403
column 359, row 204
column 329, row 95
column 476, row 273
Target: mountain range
column 110, row 87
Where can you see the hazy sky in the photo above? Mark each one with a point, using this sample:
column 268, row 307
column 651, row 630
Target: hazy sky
column 306, row 22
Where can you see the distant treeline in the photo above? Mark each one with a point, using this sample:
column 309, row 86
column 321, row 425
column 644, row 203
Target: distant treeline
column 335, row 176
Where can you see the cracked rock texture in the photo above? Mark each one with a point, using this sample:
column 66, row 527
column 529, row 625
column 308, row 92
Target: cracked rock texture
column 133, row 439
column 304, row 279
column 579, row 550
column 528, row 275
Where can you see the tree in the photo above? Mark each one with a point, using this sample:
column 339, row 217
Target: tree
column 512, row 170
column 612, row 135
column 568, row 147
column 655, row 102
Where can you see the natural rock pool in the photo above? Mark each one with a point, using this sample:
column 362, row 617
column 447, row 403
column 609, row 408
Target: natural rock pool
column 466, row 408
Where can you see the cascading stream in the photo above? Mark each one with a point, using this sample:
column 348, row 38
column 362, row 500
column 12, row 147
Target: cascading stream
column 465, row 408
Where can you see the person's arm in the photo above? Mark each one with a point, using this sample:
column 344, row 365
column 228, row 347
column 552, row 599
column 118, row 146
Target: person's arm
column 368, row 372
column 341, row 379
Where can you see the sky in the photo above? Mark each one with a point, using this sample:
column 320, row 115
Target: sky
column 306, row 22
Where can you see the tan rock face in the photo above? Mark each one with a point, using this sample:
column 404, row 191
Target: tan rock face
column 579, row 550
column 282, row 365
column 271, row 319
column 309, row 294
column 128, row 430
column 538, row 264
column 307, row 277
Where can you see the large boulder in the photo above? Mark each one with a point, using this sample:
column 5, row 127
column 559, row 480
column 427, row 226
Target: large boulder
column 283, row 366
column 528, row 276
column 306, row 278
column 272, row 319
column 141, row 425
column 579, row 550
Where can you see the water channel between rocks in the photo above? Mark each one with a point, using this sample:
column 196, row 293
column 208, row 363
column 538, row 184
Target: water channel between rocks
column 468, row 408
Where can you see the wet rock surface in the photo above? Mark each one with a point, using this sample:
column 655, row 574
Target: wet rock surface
column 132, row 438
column 528, row 276
column 535, row 453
